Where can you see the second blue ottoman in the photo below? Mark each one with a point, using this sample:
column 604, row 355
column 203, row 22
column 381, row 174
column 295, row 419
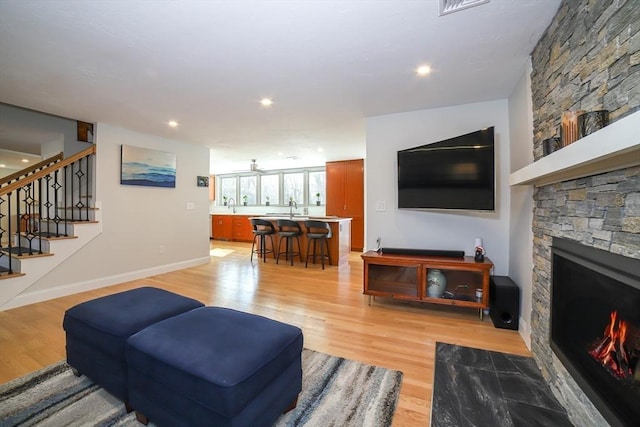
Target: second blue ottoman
column 96, row 331
column 214, row 366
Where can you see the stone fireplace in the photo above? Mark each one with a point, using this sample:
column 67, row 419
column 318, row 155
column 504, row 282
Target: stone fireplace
column 595, row 326
column 600, row 211
column 587, row 60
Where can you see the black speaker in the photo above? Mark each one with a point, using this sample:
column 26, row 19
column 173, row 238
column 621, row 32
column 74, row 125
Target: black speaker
column 504, row 302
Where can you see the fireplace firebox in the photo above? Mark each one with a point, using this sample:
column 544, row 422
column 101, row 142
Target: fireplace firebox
column 595, row 326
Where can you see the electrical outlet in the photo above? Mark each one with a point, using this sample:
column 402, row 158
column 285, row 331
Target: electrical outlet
column 161, row 249
column 191, row 206
column 381, row 206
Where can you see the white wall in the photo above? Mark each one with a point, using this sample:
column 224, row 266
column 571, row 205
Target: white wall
column 521, row 208
column 136, row 221
column 429, row 229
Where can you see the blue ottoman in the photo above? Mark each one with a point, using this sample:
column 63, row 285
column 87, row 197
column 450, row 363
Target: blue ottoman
column 97, row 331
column 215, row 367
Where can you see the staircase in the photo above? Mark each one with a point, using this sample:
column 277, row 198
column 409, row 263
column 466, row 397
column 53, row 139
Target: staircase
column 47, row 213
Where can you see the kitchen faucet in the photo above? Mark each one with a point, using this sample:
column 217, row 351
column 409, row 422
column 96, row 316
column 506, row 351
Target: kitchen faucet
column 231, row 203
column 292, row 203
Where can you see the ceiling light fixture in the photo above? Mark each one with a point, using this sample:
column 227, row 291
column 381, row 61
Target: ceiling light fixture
column 423, row 70
column 25, row 160
column 173, row 124
column 266, row 102
column 3, row 165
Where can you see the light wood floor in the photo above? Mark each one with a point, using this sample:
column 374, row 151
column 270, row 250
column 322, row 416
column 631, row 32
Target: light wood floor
column 328, row 305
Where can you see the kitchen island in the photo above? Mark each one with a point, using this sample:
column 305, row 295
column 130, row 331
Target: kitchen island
column 238, row 228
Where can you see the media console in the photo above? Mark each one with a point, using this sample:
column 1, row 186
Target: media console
column 405, row 276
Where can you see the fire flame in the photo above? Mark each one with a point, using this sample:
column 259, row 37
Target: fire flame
column 610, row 351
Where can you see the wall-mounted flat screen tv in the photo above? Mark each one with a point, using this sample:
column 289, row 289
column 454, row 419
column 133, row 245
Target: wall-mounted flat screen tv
column 456, row 173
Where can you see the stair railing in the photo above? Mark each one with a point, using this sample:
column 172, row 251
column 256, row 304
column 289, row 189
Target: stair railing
column 41, row 201
column 30, row 170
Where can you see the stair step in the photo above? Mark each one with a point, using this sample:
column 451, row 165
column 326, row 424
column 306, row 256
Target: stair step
column 49, row 235
column 25, row 252
column 4, row 274
column 71, row 221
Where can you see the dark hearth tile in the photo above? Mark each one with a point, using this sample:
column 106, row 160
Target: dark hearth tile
column 465, row 396
column 521, row 388
column 523, row 414
column 459, row 355
column 512, row 363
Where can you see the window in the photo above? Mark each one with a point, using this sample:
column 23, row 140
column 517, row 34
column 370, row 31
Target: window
column 317, row 187
column 228, row 188
column 276, row 186
column 249, row 189
column 293, row 185
column 270, row 189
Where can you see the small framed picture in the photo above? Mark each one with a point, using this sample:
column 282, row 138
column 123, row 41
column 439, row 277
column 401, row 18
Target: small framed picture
column 203, row 181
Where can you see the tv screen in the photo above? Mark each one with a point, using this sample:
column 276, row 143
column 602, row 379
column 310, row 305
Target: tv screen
column 457, row 173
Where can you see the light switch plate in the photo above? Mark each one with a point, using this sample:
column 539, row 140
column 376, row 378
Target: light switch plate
column 191, row 206
column 381, row 206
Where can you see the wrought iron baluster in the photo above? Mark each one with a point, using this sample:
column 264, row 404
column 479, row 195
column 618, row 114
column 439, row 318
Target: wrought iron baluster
column 28, row 217
column 65, row 189
column 10, row 244
column 3, row 200
column 47, row 204
column 80, row 203
column 18, row 217
column 86, row 188
column 40, row 211
column 56, row 204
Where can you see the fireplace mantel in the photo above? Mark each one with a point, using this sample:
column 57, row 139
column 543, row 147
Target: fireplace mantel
column 616, row 146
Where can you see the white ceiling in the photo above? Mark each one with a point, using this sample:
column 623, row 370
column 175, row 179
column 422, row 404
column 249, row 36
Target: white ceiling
column 327, row 65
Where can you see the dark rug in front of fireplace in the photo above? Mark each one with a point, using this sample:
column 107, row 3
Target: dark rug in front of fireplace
column 474, row 387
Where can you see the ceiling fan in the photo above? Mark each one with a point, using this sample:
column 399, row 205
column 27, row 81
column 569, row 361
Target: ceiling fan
column 253, row 167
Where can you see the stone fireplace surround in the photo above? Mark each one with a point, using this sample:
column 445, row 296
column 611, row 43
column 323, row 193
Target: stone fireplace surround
column 587, row 59
column 601, row 211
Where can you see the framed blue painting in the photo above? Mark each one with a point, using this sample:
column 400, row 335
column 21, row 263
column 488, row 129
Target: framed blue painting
column 146, row 167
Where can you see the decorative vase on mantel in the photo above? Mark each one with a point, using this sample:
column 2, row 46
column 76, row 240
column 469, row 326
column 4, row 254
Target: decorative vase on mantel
column 436, row 283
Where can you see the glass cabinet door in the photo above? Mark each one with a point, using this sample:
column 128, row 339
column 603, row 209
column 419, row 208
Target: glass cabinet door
column 394, row 279
column 454, row 285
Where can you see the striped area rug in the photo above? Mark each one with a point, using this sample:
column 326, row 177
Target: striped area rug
column 335, row 392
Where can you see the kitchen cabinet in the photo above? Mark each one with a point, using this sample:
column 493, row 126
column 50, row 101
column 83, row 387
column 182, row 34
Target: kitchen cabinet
column 242, row 229
column 345, row 196
column 231, row 227
column 222, row 227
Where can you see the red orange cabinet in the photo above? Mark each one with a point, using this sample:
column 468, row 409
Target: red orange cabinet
column 231, row 227
column 345, row 196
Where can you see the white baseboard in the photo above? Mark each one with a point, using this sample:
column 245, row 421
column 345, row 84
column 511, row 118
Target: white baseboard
column 74, row 288
column 525, row 332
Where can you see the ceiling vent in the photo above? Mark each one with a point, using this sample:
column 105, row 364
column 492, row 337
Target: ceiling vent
column 451, row 6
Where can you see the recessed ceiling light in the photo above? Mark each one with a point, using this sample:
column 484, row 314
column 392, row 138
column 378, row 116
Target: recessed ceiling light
column 423, row 70
column 266, row 102
column 25, row 160
column 320, row 149
column 173, row 124
column 3, row 165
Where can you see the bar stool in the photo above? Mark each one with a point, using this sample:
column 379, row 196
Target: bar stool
column 318, row 232
column 261, row 229
column 287, row 231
